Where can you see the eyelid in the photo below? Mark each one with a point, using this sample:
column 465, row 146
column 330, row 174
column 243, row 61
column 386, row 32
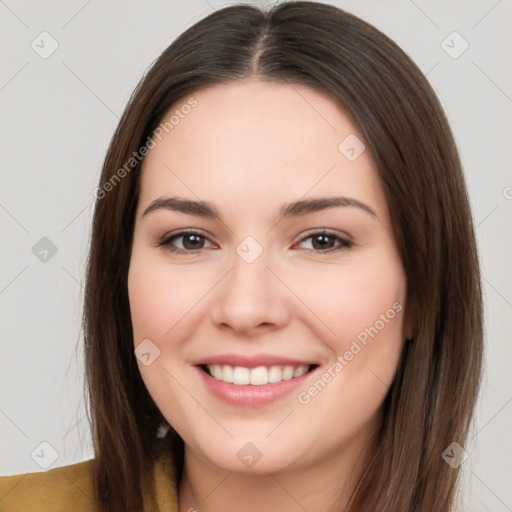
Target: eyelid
column 166, row 239
column 346, row 240
column 325, row 231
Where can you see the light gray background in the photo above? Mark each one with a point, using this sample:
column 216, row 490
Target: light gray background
column 57, row 117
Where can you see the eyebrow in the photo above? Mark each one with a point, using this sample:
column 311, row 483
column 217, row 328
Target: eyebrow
column 295, row 209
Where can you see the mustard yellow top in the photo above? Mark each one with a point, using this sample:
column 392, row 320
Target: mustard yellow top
column 70, row 489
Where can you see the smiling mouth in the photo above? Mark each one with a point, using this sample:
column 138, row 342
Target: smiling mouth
column 258, row 376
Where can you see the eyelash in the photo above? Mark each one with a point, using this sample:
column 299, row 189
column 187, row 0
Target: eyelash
column 167, row 240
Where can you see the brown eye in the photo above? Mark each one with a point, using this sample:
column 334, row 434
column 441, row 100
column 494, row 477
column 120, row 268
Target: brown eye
column 191, row 241
column 184, row 242
column 326, row 242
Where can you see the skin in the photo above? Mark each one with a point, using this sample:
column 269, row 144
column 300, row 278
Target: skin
column 247, row 148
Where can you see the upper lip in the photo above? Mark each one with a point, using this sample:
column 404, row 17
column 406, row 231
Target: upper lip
column 251, row 361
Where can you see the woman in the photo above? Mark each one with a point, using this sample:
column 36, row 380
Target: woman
column 283, row 304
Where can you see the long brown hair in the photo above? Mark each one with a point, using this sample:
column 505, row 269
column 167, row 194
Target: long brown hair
column 431, row 400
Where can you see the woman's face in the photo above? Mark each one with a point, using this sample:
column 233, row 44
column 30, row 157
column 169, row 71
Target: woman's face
column 269, row 283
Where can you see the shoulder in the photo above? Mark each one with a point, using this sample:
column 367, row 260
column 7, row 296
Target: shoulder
column 67, row 488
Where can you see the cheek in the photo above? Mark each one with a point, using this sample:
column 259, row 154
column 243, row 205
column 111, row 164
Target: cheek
column 159, row 303
column 159, row 299
column 363, row 307
column 349, row 299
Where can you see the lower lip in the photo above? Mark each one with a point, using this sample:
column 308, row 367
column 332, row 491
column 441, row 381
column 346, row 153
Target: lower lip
column 249, row 395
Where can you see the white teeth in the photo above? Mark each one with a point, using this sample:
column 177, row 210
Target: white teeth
column 227, row 374
column 275, row 374
column 301, row 370
column 216, row 370
column 288, row 372
column 258, row 376
column 241, row 375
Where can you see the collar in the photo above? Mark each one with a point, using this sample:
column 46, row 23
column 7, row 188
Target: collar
column 165, row 490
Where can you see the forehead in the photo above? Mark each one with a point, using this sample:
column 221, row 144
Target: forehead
column 249, row 140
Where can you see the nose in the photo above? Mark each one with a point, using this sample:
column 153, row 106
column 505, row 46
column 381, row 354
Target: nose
column 251, row 300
